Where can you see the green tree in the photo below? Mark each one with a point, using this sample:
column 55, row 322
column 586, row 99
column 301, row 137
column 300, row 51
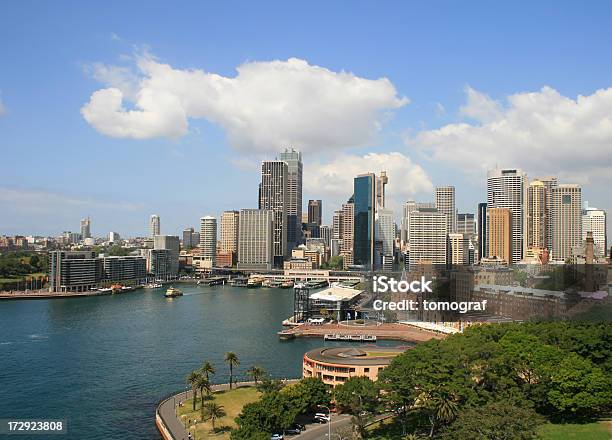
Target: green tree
column 193, row 380
column 231, row 359
column 257, row 373
column 269, row 385
column 204, row 387
column 274, row 412
column 207, row 370
column 212, row 411
column 307, row 394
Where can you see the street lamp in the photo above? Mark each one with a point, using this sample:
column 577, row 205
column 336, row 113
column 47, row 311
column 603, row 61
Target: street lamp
column 329, row 421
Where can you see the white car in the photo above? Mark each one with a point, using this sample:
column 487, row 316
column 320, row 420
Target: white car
column 321, row 417
column 276, row 437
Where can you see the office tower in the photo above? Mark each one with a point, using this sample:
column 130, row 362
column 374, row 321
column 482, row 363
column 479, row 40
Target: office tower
column 172, row 244
column 159, row 264
column 154, row 225
column 567, row 220
column 445, row 203
column 74, row 271
column 466, row 225
column 127, row 268
column 113, row 237
column 428, row 236
column 385, row 234
column 294, row 187
column 337, row 225
column 85, row 228
column 256, row 239
column 594, row 221
column 409, row 206
column 335, row 247
column 364, row 198
column 230, row 221
column 315, row 212
column 549, row 182
column 273, row 195
column 507, row 188
column 348, row 232
column 499, row 234
column 325, row 233
column 195, row 238
column 482, row 230
column 188, row 242
column 208, row 239
column 381, row 183
column 537, row 216
column 458, row 249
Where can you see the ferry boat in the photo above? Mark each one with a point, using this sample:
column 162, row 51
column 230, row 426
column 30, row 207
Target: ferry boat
column 254, row 282
column 287, row 284
column 316, row 284
column 239, row 282
column 153, row 286
column 173, row 292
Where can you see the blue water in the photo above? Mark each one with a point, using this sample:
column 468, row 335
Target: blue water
column 103, row 363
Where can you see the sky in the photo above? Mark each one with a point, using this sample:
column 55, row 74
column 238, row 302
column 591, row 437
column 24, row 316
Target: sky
column 120, row 110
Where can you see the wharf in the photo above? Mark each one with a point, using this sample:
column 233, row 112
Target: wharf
column 399, row 332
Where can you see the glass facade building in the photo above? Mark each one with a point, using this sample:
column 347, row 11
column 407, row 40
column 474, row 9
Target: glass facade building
column 364, row 211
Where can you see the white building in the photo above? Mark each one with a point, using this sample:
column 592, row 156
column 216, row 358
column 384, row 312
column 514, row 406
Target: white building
column 428, row 236
column 385, row 234
column 208, row 239
column 594, row 220
column 256, row 239
column 113, row 237
column 445, row 203
column 154, row 225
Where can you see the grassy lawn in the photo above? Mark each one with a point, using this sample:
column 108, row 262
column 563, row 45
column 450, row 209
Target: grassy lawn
column 381, row 353
column 587, row 431
column 232, row 402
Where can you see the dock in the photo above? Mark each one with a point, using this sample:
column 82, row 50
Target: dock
column 349, row 338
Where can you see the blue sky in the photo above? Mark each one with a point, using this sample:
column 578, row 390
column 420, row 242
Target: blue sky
column 457, row 63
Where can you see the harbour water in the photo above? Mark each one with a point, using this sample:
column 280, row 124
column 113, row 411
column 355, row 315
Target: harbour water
column 103, row 363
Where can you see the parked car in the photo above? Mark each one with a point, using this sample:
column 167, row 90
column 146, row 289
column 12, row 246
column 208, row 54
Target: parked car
column 322, row 416
column 294, row 430
column 276, row 437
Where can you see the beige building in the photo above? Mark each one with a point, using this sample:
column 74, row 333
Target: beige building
column 336, row 365
column 229, row 231
column 499, row 231
column 348, row 231
column 445, row 203
column 458, row 249
column 256, row 239
column 537, row 215
column 567, row 220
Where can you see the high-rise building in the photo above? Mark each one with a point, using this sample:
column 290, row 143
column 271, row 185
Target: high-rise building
column 499, row 234
column 315, row 211
column 507, row 188
column 594, row 221
column 428, row 237
column 74, row 271
column 381, row 183
column 482, row 231
column 274, row 196
column 85, row 228
column 409, row 206
column 348, row 232
column 188, row 242
column 256, row 239
column 325, row 233
column 337, row 225
column 113, row 237
column 230, row 221
column 172, row 244
column 458, row 249
column 126, row 268
column 566, row 219
column 294, row 188
column 364, row 198
column 549, row 182
column 385, row 234
column 445, row 203
column 466, row 225
column 154, row 225
column 537, row 216
column 159, row 263
column 208, row 239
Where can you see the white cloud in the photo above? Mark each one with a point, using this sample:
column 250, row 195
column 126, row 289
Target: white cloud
column 333, row 181
column 542, row 132
column 267, row 105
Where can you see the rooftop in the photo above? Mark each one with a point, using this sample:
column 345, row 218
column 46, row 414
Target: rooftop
column 366, row 355
column 336, row 293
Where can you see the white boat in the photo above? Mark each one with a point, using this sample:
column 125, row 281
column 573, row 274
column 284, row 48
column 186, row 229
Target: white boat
column 173, row 292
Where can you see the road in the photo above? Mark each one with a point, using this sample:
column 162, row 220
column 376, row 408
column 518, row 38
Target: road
column 319, row 431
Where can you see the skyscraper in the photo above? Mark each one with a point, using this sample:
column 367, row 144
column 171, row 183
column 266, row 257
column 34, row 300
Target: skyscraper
column 499, row 234
column 348, row 232
column 445, row 203
column 458, row 249
column 154, row 225
column 386, row 236
column 567, row 220
column 594, row 220
column 294, row 188
column 256, row 239
column 482, row 230
column 273, row 195
column 229, row 231
column 208, row 239
column 172, row 244
column 466, row 225
column 188, row 242
column 85, row 228
column 325, row 233
column 507, row 188
column 315, row 211
column 364, row 224
column 337, row 225
column 409, row 206
column 537, row 216
column 549, row 182
column 428, row 237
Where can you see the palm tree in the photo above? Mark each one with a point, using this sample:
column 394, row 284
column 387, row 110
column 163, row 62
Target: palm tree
column 192, row 380
column 256, row 373
column 213, row 411
column 204, row 386
column 232, row 360
column 207, row 369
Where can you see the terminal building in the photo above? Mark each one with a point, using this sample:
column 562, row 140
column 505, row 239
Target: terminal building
column 337, row 302
column 336, row 365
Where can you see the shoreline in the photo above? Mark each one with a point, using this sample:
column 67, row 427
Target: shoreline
column 52, row 295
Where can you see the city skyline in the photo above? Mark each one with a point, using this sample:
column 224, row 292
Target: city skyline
column 422, row 100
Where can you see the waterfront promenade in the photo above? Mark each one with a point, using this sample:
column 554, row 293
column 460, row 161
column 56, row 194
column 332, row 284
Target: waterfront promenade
column 399, row 332
column 169, row 425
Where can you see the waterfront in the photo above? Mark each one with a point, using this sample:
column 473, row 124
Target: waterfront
column 103, row 363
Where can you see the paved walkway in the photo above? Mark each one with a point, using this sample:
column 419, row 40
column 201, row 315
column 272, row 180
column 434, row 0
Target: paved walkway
column 400, row 332
column 166, row 410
